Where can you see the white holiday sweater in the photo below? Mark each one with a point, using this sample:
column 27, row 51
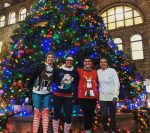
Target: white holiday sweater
column 108, row 84
column 45, row 86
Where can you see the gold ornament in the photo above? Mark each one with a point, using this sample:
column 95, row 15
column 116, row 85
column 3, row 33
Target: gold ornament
column 42, row 24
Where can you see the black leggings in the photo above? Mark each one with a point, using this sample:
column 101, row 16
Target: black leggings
column 108, row 108
column 67, row 104
column 88, row 107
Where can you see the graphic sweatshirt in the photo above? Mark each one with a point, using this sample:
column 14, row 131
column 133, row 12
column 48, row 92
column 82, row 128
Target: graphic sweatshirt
column 87, row 79
column 41, row 79
column 66, row 81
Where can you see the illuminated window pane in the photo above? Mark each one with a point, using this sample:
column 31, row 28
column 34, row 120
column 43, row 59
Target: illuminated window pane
column 128, row 14
column 127, row 8
column 111, row 11
column 137, row 55
column 136, row 38
column 111, row 26
column 129, row 22
column 118, row 42
column 120, row 47
column 136, row 14
column 119, row 9
column 122, row 16
column 111, row 19
column 23, row 14
column 137, row 46
column 2, row 21
column 105, row 20
column 120, row 24
column 119, row 16
column 104, row 14
column 138, row 20
column 1, row 46
column 6, row 5
column 12, row 18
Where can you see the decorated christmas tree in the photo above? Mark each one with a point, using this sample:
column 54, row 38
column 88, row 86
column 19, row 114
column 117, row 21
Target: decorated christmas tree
column 64, row 27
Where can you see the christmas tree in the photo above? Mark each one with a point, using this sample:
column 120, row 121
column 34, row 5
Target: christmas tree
column 65, row 27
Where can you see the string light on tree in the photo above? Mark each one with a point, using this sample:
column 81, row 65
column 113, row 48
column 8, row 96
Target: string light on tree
column 65, row 27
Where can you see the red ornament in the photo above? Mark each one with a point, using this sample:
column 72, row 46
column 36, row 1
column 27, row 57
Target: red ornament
column 77, row 43
column 106, row 33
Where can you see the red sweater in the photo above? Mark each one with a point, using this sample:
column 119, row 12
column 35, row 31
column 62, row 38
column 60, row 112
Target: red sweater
column 82, row 87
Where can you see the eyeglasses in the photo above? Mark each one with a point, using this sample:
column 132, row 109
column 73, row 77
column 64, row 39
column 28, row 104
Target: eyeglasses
column 69, row 60
column 87, row 61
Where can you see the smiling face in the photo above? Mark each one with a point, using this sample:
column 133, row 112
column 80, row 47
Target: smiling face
column 88, row 63
column 103, row 64
column 50, row 59
column 69, row 62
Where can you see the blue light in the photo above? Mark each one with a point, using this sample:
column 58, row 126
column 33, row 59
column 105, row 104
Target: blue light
column 60, row 54
column 46, row 44
column 95, row 55
column 46, row 41
column 93, row 43
column 32, row 20
column 73, row 51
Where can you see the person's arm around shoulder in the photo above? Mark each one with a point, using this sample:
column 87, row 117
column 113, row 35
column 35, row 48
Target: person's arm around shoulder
column 34, row 76
column 75, row 85
column 98, row 74
column 55, row 71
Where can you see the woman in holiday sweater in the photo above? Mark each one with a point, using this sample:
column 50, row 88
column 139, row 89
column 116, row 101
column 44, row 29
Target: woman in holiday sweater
column 87, row 93
column 41, row 81
column 66, row 79
column 109, row 91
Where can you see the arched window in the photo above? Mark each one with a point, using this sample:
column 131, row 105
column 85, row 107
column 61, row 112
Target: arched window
column 23, row 14
column 6, row 5
column 2, row 21
column 31, row 8
column 137, row 47
column 1, row 46
column 12, row 18
column 118, row 42
column 121, row 16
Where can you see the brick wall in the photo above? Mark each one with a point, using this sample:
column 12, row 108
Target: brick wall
column 6, row 32
column 124, row 33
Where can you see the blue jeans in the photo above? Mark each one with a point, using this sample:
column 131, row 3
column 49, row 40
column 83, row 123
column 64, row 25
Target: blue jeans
column 41, row 101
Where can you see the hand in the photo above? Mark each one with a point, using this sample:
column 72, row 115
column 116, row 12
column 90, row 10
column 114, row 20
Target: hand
column 114, row 100
column 29, row 89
